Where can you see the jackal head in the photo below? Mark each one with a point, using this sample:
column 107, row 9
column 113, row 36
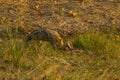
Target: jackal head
column 59, row 40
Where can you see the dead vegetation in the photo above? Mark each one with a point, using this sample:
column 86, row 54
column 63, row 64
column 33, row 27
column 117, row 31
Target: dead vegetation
column 92, row 26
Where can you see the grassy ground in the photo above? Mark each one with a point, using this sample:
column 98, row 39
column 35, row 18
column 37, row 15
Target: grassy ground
column 96, row 57
column 96, row 54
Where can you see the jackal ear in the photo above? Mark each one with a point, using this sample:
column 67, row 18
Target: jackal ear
column 69, row 45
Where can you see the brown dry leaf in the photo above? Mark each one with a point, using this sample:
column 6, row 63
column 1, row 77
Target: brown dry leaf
column 11, row 11
column 3, row 19
column 72, row 13
column 37, row 6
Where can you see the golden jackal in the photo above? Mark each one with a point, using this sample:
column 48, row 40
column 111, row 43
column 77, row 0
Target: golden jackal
column 45, row 34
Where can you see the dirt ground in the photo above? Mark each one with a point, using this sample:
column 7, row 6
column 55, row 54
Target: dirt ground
column 69, row 17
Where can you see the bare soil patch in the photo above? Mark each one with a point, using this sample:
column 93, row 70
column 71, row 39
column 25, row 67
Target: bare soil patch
column 69, row 17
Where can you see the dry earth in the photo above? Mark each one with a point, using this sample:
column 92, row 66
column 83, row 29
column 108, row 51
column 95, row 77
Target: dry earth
column 69, row 17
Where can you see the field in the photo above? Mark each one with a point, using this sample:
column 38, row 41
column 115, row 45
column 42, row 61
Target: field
column 92, row 26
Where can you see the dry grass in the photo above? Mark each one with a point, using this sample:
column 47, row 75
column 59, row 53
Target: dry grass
column 100, row 59
column 96, row 55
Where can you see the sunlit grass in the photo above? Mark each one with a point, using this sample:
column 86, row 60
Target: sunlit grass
column 38, row 60
column 96, row 55
column 99, row 43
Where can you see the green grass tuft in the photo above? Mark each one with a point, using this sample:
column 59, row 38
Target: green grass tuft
column 98, row 42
